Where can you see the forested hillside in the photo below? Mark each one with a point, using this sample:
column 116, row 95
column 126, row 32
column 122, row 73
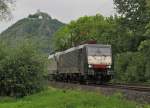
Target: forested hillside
column 38, row 27
column 128, row 33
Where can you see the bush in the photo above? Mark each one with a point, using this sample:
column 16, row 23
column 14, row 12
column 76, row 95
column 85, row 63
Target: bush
column 131, row 67
column 21, row 70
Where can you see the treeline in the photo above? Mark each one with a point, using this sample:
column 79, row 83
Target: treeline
column 128, row 33
column 22, row 69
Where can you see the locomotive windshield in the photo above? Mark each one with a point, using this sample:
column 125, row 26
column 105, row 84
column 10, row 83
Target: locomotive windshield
column 99, row 51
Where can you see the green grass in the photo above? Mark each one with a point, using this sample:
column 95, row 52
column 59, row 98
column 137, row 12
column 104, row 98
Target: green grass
column 56, row 98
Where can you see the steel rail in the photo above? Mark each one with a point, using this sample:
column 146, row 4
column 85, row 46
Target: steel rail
column 135, row 87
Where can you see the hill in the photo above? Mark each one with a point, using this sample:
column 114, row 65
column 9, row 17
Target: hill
column 39, row 27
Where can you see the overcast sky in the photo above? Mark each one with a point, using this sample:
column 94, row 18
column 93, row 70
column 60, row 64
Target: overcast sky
column 63, row 10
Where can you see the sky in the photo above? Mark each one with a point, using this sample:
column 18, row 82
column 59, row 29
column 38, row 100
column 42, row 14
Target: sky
column 63, row 10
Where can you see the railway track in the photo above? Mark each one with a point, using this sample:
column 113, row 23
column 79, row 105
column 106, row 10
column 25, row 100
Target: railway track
column 136, row 87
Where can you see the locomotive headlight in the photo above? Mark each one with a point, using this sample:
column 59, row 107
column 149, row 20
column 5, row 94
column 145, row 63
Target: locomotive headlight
column 109, row 66
column 90, row 66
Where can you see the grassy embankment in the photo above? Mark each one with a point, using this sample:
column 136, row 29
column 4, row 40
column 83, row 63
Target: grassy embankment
column 55, row 98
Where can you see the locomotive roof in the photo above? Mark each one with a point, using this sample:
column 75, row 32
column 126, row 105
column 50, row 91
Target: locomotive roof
column 78, row 47
column 82, row 46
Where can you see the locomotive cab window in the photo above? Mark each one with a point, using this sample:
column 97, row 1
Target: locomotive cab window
column 96, row 51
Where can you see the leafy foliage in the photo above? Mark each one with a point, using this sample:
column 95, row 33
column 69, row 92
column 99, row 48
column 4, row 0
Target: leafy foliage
column 130, row 67
column 136, row 13
column 5, row 10
column 135, row 16
column 134, row 66
column 104, row 30
column 21, row 70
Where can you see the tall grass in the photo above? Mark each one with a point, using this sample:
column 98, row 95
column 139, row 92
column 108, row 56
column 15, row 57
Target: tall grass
column 56, row 98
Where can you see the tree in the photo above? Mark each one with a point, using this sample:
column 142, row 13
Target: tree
column 135, row 16
column 22, row 71
column 5, row 10
column 105, row 30
column 147, row 33
column 131, row 67
column 61, row 39
column 144, row 48
column 85, row 28
column 136, row 13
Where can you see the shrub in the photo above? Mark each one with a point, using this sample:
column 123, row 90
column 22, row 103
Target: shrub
column 131, row 67
column 21, row 70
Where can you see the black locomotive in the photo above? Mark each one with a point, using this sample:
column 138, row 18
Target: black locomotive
column 84, row 63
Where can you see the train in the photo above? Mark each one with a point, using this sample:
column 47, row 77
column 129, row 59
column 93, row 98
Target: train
column 84, row 63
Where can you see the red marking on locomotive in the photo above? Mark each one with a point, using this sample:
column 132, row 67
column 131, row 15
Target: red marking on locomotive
column 88, row 42
column 99, row 66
